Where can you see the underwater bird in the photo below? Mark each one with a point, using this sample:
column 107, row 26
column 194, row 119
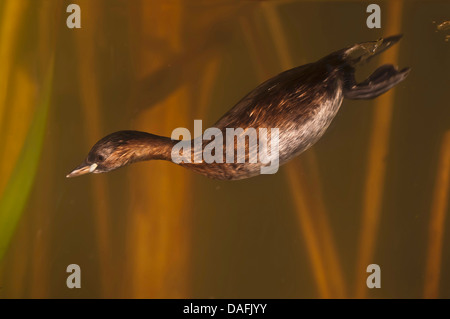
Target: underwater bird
column 300, row 102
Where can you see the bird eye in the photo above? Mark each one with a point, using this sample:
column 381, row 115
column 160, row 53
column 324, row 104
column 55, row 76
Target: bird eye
column 100, row 158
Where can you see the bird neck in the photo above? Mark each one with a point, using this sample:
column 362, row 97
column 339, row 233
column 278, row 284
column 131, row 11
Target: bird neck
column 146, row 146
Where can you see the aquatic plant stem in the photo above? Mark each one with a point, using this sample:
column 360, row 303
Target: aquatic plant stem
column 438, row 216
column 376, row 166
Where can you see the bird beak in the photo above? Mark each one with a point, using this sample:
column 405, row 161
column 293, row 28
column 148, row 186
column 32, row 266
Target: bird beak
column 82, row 170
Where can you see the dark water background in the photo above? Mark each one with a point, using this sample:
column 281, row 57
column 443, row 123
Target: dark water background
column 155, row 230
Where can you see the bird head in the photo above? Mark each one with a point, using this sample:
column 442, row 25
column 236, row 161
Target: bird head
column 111, row 152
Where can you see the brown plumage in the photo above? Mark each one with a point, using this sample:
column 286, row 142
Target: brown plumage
column 300, row 102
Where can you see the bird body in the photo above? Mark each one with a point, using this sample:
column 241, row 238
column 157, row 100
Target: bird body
column 300, row 102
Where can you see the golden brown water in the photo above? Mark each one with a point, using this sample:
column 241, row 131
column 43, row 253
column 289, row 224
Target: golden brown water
column 374, row 189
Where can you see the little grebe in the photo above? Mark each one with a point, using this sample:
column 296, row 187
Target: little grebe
column 300, row 102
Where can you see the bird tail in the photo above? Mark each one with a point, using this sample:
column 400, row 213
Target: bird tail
column 380, row 81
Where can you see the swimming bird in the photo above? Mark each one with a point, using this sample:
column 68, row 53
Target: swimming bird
column 300, row 102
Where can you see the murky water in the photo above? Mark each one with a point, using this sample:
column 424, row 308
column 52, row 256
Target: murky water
column 373, row 190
